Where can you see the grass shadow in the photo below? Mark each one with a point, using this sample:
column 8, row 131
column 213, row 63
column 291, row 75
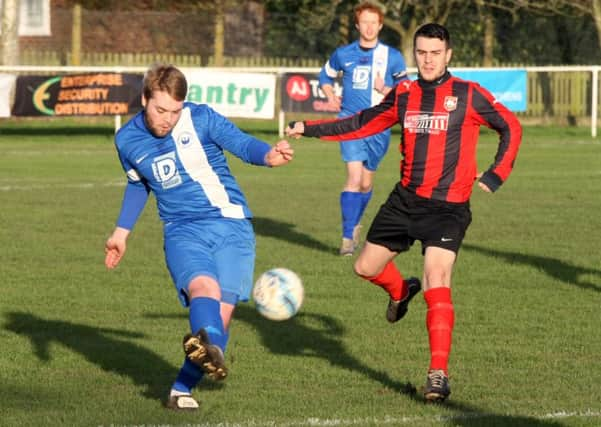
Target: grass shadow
column 285, row 231
column 556, row 268
column 294, row 338
column 107, row 348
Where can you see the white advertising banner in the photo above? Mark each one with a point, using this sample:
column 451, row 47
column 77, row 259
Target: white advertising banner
column 249, row 95
column 7, row 84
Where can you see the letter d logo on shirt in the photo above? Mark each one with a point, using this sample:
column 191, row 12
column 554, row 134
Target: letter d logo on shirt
column 361, row 77
column 165, row 170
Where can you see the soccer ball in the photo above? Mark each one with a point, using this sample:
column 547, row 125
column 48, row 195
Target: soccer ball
column 278, row 294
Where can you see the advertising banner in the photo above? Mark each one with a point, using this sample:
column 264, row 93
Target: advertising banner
column 92, row 94
column 300, row 93
column 7, row 82
column 232, row 94
column 508, row 86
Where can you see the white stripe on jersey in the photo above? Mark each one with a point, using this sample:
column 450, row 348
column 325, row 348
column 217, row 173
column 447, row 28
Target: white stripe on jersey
column 195, row 162
column 378, row 66
column 133, row 175
column 332, row 73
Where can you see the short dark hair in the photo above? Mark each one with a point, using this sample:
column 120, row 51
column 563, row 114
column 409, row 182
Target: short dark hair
column 433, row 31
column 165, row 78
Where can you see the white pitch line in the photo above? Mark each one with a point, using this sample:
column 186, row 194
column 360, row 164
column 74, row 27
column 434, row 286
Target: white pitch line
column 389, row 420
column 23, row 153
column 80, row 185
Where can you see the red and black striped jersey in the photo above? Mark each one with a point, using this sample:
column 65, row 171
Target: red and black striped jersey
column 441, row 123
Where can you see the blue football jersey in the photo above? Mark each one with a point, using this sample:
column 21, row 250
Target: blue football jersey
column 359, row 68
column 187, row 169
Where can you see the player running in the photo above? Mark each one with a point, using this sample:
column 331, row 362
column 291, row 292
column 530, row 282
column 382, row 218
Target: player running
column 440, row 116
column 369, row 70
column 175, row 149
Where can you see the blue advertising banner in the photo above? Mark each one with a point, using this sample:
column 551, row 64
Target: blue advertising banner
column 508, row 86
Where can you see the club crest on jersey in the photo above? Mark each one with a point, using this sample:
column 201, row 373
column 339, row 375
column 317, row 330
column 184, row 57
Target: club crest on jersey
column 184, row 139
column 450, row 103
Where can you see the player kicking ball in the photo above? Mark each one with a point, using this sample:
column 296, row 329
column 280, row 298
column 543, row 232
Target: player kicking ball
column 440, row 116
column 175, row 149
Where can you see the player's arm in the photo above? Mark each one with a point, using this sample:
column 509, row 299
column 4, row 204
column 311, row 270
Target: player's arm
column 495, row 115
column 365, row 123
column 280, row 154
column 326, row 78
column 244, row 146
column 115, row 247
column 333, row 99
column 134, row 200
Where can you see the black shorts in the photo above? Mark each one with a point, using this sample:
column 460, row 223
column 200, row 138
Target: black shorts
column 406, row 217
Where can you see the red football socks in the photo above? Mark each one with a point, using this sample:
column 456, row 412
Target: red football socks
column 439, row 321
column 391, row 280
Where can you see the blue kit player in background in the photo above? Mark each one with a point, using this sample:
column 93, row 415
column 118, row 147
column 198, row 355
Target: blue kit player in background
column 369, row 71
column 175, row 149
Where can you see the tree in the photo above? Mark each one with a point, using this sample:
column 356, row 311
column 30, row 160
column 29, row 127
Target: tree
column 306, row 28
column 405, row 16
column 9, row 36
column 590, row 8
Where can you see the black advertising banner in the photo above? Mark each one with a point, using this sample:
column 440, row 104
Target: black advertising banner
column 300, row 93
column 92, row 94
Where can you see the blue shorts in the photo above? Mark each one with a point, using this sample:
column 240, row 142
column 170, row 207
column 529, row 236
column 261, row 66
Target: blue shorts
column 368, row 150
column 223, row 249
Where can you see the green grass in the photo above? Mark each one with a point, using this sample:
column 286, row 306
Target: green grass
column 84, row 346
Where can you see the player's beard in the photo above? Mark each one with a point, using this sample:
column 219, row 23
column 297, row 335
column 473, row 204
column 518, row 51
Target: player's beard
column 156, row 129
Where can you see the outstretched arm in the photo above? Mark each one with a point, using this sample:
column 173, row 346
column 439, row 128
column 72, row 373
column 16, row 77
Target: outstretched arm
column 295, row 129
column 365, row 123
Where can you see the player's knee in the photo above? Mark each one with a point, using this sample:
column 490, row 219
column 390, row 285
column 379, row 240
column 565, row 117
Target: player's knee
column 438, row 276
column 363, row 269
column 204, row 286
column 366, row 188
column 353, row 182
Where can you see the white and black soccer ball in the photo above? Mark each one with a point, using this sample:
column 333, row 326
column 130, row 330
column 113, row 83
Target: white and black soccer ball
column 278, row 294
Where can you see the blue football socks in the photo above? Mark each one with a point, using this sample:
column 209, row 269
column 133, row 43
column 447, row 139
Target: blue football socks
column 350, row 206
column 203, row 313
column 365, row 198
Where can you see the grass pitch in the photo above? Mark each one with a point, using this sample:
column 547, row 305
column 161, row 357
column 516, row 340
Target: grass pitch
column 83, row 346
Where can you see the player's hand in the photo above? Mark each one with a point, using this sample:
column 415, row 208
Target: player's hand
column 482, row 185
column 334, row 103
column 115, row 247
column 280, row 154
column 379, row 84
column 295, row 129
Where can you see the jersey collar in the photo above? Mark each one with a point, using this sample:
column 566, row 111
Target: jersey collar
column 429, row 85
